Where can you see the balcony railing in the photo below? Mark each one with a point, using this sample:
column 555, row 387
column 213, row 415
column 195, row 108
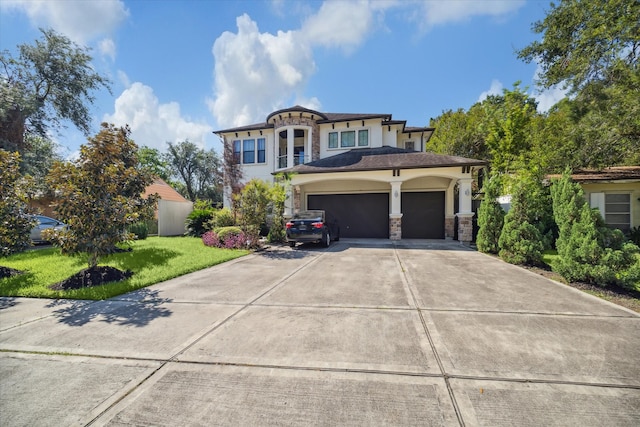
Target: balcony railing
column 298, row 159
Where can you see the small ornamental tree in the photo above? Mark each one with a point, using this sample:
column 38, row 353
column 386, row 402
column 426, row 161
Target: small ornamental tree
column 252, row 204
column 15, row 224
column 100, row 195
column 279, row 189
column 521, row 241
column 490, row 217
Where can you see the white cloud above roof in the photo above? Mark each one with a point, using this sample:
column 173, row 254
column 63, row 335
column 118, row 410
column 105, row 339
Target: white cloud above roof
column 153, row 123
column 256, row 73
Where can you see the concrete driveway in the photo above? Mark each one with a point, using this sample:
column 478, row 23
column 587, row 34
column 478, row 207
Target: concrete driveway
column 361, row 333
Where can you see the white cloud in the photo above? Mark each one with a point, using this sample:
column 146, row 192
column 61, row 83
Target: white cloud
column 107, row 48
column 339, row 24
column 547, row 98
column 438, row 12
column 124, row 79
column 79, row 20
column 256, row 73
column 495, row 89
column 152, row 123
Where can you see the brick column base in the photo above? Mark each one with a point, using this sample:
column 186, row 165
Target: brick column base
column 465, row 227
column 395, row 226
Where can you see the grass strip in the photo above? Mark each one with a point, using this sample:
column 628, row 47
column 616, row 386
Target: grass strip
column 152, row 260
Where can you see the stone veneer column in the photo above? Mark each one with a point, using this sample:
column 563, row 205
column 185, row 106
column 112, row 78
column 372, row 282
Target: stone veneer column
column 395, row 226
column 296, row 199
column 465, row 227
column 449, row 226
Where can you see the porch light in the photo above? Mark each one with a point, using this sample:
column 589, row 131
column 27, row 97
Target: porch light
column 395, row 194
column 363, row 123
column 347, row 124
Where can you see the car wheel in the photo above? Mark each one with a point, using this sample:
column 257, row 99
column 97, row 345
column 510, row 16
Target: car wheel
column 326, row 240
column 292, row 244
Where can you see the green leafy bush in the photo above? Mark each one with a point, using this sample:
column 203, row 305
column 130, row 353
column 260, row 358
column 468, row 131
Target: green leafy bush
column 634, row 236
column 15, row 224
column 221, row 218
column 223, row 232
column 589, row 251
column 197, row 222
column 490, row 218
column 520, row 240
column 140, row 229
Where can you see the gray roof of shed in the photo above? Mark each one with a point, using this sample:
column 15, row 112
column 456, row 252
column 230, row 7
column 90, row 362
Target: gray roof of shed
column 382, row 158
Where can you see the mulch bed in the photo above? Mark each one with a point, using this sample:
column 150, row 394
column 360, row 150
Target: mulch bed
column 8, row 272
column 625, row 297
column 94, row 276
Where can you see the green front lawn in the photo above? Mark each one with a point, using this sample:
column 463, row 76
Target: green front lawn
column 152, row 260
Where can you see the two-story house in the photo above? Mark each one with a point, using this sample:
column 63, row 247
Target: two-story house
column 368, row 171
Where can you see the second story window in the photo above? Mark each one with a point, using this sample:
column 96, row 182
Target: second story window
column 347, row 138
column 250, row 151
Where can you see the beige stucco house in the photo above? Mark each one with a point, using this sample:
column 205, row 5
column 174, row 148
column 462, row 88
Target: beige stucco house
column 615, row 192
column 368, row 171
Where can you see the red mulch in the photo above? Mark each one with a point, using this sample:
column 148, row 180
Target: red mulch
column 94, row 276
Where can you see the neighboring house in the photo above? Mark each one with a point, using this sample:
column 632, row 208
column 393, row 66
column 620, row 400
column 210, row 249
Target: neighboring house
column 172, row 210
column 615, row 191
column 368, row 171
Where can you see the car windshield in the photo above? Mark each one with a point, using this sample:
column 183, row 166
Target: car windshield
column 310, row 215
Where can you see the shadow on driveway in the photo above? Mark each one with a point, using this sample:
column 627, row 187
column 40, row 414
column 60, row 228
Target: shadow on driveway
column 123, row 313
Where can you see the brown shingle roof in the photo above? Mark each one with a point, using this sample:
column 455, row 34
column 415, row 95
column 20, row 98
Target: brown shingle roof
column 322, row 118
column 382, row 158
column 615, row 173
column 164, row 190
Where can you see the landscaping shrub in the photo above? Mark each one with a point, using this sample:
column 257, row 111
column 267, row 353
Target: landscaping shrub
column 140, row 229
column 221, row 218
column 230, row 238
column 634, row 236
column 490, row 218
column 588, row 251
column 14, row 223
column 196, row 222
column 520, row 240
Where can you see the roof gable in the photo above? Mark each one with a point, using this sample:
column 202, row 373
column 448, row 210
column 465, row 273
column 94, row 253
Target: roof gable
column 164, row 190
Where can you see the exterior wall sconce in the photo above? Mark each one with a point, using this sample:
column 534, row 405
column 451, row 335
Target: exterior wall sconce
column 395, row 194
column 363, row 123
column 236, row 134
column 249, row 133
column 347, row 124
column 467, row 192
column 260, row 132
column 333, row 125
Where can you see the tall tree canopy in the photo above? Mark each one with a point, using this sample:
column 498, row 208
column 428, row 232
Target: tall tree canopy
column 592, row 48
column 198, row 170
column 48, row 82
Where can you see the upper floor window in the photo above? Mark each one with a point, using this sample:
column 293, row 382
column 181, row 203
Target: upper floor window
column 249, row 151
column 347, row 138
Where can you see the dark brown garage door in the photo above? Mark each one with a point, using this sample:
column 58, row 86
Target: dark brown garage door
column 359, row 215
column 423, row 215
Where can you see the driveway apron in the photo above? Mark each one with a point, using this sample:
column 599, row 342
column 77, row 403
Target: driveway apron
column 365, row 332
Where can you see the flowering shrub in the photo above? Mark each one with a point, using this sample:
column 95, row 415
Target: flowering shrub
column 230, row 240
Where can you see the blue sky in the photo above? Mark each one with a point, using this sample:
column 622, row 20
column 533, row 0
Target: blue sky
column 181, row 69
